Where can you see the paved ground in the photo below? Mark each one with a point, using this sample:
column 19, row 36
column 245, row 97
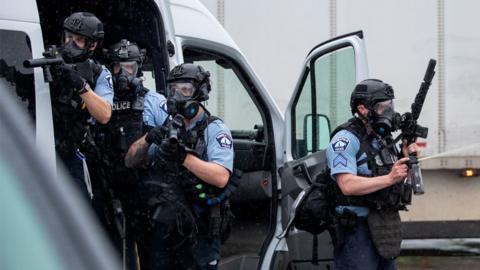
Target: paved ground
column 438, row 262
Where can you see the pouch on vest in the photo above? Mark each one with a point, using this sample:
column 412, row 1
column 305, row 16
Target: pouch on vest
column 178, row 220
column 220, row 219
column 227, row 221
column 168, row 209
column 313, row 212
column 385, row 230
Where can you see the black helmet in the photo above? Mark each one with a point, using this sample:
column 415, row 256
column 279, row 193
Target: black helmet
column 195, row 73
column 125, row 51
column 369, row 92
column 84, row 24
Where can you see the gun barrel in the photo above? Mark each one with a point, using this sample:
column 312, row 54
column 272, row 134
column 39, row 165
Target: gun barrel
column 422, row 93
column 173, row 138
column 173, row 135
column 430, row 71
column 40, row 62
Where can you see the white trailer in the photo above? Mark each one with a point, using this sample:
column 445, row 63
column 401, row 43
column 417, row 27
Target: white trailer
column 400, row 36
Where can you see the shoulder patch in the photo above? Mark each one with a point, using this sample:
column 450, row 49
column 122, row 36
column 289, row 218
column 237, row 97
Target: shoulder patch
column 340, row 144
column 163, row 105
column 224, row 140
column 108, row 77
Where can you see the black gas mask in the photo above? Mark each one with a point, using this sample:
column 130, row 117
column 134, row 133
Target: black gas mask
column 125, row 79
column 71, row 53
column 384, row 118
column 181, row 99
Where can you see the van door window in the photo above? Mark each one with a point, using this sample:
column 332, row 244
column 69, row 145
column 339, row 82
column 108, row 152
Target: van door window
column 229, row 99
column 334, row 82
column 14, row 49
column 302, row 145
column 323, row 102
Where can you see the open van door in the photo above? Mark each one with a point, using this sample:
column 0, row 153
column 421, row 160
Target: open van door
column 320, row 102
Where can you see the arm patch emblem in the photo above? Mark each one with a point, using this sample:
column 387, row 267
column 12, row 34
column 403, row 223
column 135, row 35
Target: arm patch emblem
column 341, row 144
column 163, row 105
column 109, row 80
column 224, row 140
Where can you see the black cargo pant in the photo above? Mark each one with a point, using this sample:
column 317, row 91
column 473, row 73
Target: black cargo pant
column 156, row 251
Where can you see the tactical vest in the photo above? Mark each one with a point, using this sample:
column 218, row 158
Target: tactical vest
column 123, row 129
column 380, row 162
column 177, row 188
column 196, row 190
column 70, row 114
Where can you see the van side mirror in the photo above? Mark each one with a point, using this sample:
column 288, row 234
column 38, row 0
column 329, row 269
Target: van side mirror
column 323, row 126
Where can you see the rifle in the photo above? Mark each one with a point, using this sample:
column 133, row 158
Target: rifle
column 411, row 130
column 51, row 58
column 175, row 128
column 53, row 65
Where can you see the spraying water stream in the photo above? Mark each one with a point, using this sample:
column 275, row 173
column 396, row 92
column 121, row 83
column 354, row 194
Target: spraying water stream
column 450, row 152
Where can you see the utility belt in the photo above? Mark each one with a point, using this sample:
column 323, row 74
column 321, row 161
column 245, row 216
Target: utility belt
column 78, row 137
column 212, row 206
column 66, row 149
column 166, row 205
column 347, row 221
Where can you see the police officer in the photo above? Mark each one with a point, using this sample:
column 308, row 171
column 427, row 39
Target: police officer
column 83, row 90
column 369, row 172
column 191, row 162
column 134, row 108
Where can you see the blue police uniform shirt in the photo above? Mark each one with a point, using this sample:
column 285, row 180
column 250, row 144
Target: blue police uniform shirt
column 154, row 109
column 342, row 158
column 104, row 85
column 218, row 141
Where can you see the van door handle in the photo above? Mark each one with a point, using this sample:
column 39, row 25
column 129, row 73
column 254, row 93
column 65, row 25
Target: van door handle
column 301, row 170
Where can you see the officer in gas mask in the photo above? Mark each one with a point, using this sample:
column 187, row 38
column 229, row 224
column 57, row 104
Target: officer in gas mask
column 82, row 94
column 135, row 108
column 191, row 159
column 370, row 172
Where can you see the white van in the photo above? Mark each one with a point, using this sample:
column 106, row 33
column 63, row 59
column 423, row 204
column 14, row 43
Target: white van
column 278, row 154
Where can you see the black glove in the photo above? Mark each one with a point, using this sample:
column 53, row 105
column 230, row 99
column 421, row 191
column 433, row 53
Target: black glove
column 72, row 79
column 156, row 135
column 174, row 152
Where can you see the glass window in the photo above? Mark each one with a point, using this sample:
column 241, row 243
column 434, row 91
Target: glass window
column 229, row 99
column 149, row 80
column 333, row 81
column 302, row 111
column 14, row 49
